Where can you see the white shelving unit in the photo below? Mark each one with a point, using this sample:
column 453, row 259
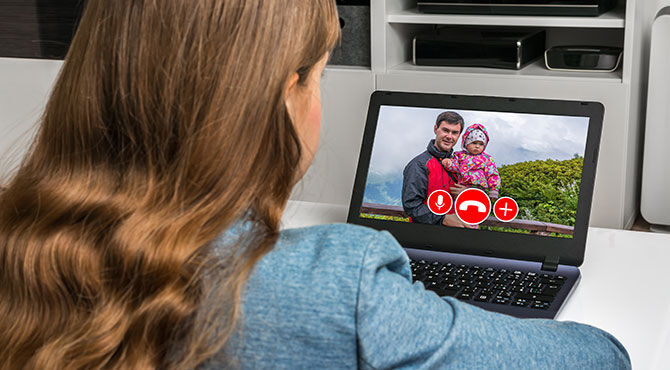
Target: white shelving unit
column 612, row 19
column 394, row 23
column 535, row 70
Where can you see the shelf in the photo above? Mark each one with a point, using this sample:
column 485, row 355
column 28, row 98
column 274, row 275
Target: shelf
column 612, row 19
column 535, row 70
column 342, row 67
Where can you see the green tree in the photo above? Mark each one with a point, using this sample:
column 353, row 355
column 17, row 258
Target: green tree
column 544, row 190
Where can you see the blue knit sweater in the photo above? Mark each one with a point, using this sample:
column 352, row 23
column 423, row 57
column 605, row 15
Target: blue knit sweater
column 341, row 296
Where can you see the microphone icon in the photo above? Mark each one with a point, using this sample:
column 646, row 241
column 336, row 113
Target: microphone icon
column 440, row 202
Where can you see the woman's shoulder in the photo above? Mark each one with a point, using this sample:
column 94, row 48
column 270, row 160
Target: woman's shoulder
column 310, row 259
column 307, row 287
column 329, row 244
column 328, row 234
column 333, row 244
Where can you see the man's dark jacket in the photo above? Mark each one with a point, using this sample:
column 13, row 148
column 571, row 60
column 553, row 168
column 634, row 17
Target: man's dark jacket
column 426, row 168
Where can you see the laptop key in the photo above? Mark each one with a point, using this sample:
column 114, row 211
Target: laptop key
column 464, row 296
column 520, row 302
column 540, row 305
column 430, row 278
column 534, row 297
column 505, row 294
column 549, row 291
column 501, row 300
column 447, row 292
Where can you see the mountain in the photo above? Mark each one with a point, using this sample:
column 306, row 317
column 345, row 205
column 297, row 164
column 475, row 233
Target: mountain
column 387, row 192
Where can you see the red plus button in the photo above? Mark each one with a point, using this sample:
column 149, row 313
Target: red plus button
column 506, row 209
column 473, row 206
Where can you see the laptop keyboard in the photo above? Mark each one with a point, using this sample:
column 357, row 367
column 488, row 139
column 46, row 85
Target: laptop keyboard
column 488, row 284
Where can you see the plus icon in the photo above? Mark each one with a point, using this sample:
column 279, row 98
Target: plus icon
column 506, row 209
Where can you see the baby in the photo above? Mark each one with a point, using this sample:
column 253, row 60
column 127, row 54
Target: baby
column 474, row 167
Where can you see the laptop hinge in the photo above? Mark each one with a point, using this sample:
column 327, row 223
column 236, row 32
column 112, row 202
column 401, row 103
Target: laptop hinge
column 550, row 263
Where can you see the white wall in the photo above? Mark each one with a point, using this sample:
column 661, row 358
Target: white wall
column 345, row 93
column 24, row 88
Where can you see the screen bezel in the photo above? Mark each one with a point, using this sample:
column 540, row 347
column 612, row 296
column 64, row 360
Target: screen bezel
column 484, row 242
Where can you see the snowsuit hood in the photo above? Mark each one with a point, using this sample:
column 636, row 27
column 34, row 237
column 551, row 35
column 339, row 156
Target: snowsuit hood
column 471, row 128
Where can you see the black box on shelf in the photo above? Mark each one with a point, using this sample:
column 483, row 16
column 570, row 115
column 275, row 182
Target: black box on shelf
column 583, row 58
column 518, row 7
column 355, row 22
column 479, row 47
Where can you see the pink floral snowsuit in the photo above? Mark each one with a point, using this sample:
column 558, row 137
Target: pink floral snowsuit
column 475, row 170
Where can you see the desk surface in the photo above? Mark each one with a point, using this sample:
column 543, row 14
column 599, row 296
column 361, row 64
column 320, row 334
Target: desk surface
column 623, row 288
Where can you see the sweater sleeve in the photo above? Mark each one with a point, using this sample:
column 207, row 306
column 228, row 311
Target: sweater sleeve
column 402, row 325
column 455, row 163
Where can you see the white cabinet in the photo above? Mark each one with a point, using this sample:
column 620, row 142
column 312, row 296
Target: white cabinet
column 395, row 22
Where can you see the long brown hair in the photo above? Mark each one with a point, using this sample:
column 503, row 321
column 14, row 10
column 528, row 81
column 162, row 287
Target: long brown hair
column 166, row 125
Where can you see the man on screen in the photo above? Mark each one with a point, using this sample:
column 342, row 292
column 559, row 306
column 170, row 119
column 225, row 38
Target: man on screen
column 425, row 173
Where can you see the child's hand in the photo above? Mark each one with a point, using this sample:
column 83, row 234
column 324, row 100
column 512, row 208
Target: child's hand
column 446, row 162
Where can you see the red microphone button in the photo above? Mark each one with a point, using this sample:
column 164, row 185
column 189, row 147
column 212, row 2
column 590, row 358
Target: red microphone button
column 439, row 202
column 506, row 209
column 473, row 206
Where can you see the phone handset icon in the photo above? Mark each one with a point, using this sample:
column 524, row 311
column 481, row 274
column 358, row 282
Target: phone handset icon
column 473, row 206
column 481, row 207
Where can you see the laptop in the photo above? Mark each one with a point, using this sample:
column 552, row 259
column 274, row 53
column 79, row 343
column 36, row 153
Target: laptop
column 516, row 212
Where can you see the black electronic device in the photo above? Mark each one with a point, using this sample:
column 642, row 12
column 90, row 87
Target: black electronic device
column 479, row 47
column 583, row 58
column 518, row 7
column 524, row 265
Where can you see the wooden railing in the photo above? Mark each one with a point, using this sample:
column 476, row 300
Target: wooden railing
column 535, row 227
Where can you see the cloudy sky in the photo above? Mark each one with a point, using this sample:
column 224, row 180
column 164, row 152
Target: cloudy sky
column 404, row 132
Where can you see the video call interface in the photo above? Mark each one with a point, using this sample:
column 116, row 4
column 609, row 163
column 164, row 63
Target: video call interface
column 502, row 171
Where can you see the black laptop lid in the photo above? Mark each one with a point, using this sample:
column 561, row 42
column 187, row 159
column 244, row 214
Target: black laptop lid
column 543, row 153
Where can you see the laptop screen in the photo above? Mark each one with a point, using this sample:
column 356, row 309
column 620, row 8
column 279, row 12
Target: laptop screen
column 505, row 172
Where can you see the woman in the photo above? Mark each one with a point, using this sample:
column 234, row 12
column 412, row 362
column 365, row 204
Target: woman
column 142, row 230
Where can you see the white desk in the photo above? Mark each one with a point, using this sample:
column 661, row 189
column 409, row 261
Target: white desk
column 623, row 288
